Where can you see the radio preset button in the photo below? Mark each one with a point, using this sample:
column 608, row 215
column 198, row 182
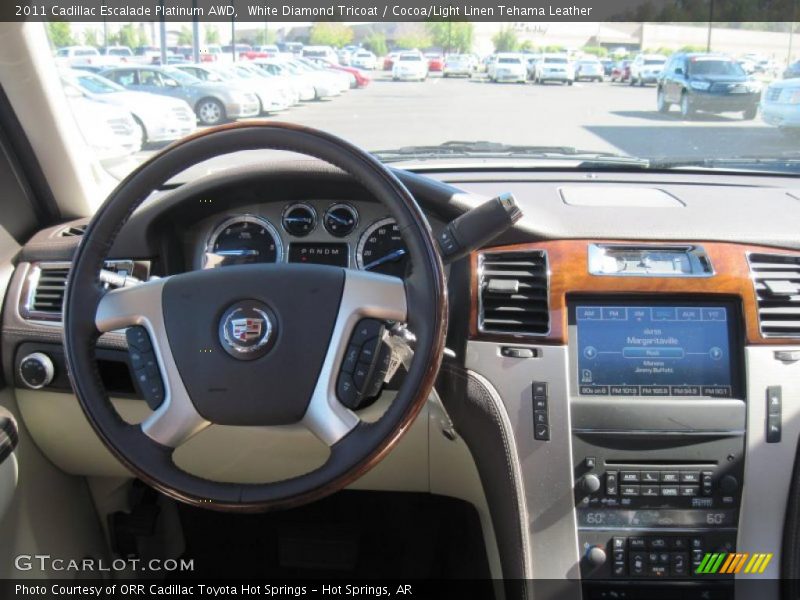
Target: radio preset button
column 629, row 477
column 690, row 477
column 670, row 476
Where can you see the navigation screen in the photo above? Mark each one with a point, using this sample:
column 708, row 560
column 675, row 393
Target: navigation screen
column 654, row 350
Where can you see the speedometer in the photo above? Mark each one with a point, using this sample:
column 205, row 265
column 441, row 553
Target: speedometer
column 241, row 240
column 381, row 249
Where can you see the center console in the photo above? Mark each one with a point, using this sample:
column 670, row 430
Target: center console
column 658, row 423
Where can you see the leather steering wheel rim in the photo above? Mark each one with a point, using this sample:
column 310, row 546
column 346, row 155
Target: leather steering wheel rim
column 360, row 447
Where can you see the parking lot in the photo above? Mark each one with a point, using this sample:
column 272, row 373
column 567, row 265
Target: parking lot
column 591, row 116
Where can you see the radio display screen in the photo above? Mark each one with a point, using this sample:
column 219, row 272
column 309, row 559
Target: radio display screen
column 654, row 350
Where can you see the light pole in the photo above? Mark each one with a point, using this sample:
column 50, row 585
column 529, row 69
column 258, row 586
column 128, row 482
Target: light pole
column 710, row 21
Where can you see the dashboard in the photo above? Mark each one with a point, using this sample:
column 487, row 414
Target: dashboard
column 344, row 233
column 633, row 358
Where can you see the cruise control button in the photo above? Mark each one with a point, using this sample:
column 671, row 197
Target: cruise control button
column 360, row 375
column 140, row 360
column 368, row 349
column 350, row 358
column 346, row 391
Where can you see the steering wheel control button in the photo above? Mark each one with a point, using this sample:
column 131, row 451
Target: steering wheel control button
column 36, row 370
column 365, row 365
column 247, row 330
column 138, row 338
column 145, row 367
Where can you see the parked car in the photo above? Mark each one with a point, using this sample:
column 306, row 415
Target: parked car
column 270, row 99
column 707, row 82
column 213, row 103
column 301, row 83
column 780, row 105
column 608, row 66
column 589, row 69
column 508, row 67
column 646, row 68
column 410, row 66
column 389, row 60
column 325, row 52
column 109, row 130
column 621, row 71
column 117, row 54
column 341, row 81
column 294, row 48
column 322, row 85
column 792, row 71
column 364, row 59
column 358, row 79
column 555, row 67
column 78, row 55
column 435, row 62
column 281, row 85
column 160, row 119
column 533, row 60
column 457, row 65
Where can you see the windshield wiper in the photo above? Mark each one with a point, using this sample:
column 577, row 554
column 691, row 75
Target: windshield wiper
column 484, row 149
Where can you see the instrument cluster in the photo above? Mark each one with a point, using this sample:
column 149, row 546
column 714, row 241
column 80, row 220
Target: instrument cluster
column 346, row 234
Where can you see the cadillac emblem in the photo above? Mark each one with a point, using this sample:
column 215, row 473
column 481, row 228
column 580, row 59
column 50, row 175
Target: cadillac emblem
column 246, row 329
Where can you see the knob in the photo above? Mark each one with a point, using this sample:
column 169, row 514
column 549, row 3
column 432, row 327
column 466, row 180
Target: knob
column 36, row 370
column 596, row 555
column 728, row 484
column 590, row 483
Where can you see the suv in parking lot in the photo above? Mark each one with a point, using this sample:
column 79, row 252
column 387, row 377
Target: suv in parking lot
column 646, row 68
column 508, row 66
column 554, row 67
column 708, row 82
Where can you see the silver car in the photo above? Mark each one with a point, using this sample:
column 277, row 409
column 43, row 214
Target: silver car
column 213, row 103
column 160, row 119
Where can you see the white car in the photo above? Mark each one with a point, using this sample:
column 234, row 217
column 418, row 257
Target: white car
column 338, row 81
column 590, row 69
column 555, row 67
column 364, row 59
column 78, row 55
column 160, row 119
column 325, row 52
column 508, row 66
column 410, row 66
column 109, row 130
column 301, row 83
column 780, row 105
column 457, row 65
column 269, row 97
column 116, row 54
column 646, row 68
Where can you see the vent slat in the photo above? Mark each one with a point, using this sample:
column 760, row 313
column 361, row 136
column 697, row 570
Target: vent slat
column 51, row 285
column 779, row 314
column 523, row 311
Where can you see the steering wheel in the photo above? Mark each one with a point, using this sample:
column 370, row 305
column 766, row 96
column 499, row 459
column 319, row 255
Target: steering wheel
column 301, row 318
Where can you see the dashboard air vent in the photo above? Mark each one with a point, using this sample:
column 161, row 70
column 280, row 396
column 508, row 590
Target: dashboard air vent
column 776, row 278
column 73, row 231
column 513, row 293
column 48, row 286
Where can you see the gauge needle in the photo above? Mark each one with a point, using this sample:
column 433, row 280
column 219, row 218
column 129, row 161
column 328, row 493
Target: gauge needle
column 339, row 220
column 237, row 252
column 399, row 253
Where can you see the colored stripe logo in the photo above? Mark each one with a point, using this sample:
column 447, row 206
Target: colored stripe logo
column 730, row 563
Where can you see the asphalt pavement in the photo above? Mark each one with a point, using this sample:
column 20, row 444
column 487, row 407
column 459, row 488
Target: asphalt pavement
column 600, row 116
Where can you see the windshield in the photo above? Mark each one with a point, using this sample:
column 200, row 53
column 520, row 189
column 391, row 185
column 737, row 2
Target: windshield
column 588, row 95
column 698, row 66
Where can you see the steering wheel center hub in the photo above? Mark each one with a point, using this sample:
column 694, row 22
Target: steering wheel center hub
column 247, row 330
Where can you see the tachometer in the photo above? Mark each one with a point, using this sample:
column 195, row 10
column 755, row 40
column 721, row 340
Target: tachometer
column 243, row 239
column 381, row 249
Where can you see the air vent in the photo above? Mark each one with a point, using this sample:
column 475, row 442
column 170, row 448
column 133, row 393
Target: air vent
column 513, row 293
column 47, row 284
column 73, row 231
column 776, row 278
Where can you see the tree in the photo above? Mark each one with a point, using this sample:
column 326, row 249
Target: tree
column 185, row 36
column 526, row 46
column 505, row 40
column 330, row 34
column 453, row 36
column 130, row 36
column 598, row 51
column 60, row 34
column 376, row 42
column 264, row 37
column 212, row 35
column 90, row 37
